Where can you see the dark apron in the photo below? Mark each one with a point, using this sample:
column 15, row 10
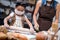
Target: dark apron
column 46, row 14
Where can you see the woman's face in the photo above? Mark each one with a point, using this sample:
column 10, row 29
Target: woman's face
column 20, row 8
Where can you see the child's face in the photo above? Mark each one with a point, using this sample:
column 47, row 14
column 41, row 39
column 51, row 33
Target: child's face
column 20, row 10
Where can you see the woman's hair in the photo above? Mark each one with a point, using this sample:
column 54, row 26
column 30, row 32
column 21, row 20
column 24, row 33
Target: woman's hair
column 51, row 2
column 20, row 4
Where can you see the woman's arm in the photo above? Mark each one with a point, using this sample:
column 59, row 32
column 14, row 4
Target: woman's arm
column 36, row 26
column 56, row 18
column 36, row 11
column 57, row 13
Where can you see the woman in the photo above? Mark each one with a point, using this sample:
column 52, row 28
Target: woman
column 46, row 14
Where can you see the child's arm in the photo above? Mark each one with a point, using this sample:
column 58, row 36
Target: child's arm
column 7, row 18
column 6, row 21
column 30, row 25
column 28, row 22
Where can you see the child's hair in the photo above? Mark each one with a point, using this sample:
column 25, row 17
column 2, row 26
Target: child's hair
column 20, row 4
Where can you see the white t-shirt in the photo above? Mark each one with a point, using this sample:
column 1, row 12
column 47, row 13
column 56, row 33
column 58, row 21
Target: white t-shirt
column 18, row 21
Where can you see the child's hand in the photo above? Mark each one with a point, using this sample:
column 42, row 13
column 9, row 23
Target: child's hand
column 6, row 25
column 32, row 30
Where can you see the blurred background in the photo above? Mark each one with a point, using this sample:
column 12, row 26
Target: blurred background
column 7, row 6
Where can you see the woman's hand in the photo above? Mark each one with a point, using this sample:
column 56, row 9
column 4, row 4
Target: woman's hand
column 54, row 26
column 55, row 23
column 36, row 26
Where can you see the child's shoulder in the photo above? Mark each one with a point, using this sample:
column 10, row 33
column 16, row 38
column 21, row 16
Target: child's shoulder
column 12, row 14
column 25, row 16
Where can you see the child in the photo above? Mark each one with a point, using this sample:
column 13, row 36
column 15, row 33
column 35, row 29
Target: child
column 19, row 18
